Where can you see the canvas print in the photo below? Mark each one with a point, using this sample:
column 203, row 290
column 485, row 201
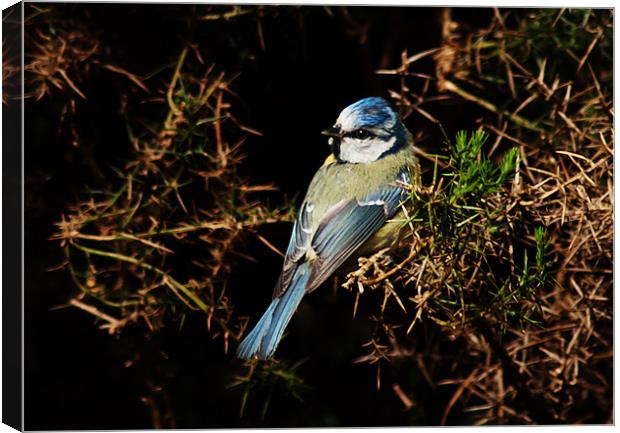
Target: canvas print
column 261, row 216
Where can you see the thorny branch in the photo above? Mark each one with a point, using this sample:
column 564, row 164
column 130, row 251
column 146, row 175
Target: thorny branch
column 529, row 298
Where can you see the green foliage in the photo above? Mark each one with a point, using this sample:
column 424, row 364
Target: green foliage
column 475, row 176
column 469, row 227
column 266, row 378
column 535, row 276
column 463, row 242
column 553, row 35
column 519, row 274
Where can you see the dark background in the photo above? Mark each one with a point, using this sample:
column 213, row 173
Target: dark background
column 315, row 61
column 11, row 217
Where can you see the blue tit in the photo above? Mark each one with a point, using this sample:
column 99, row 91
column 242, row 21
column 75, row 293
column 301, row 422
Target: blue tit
column 352, row 208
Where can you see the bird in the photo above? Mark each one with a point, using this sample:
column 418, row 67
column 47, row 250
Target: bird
column 352, row 208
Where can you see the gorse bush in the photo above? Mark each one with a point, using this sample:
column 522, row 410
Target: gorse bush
column 541, row 81
column 497, row 301
column 475, row 175
column 462, row 228
column 179, row 191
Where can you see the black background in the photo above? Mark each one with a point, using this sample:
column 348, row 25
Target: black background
column 313, row 65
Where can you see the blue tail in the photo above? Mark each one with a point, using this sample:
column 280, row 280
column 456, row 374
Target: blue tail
column 264, row 338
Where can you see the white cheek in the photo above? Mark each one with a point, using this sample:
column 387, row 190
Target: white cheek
column 349, row 150
column 363, row 151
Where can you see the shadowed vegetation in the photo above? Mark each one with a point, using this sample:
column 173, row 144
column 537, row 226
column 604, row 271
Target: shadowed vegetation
column 526, row 290
column 496, row 308
column 181, row 188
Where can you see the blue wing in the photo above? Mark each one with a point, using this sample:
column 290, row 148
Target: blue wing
column 345, row 228
column 342, row 230
column 341, row 233
column 263, row 340
column 297, row 247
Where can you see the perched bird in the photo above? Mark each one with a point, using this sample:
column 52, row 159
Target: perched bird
column 351, row 209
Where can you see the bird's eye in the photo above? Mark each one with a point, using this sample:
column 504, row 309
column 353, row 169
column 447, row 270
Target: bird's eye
column 361, row 134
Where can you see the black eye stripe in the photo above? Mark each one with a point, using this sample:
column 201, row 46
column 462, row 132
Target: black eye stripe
column 360, row 134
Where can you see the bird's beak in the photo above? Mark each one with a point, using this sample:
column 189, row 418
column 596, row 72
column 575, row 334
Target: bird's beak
column 332, row 132
column 335, row 135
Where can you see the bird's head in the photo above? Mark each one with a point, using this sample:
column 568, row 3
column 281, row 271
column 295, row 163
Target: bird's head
column 366, row 131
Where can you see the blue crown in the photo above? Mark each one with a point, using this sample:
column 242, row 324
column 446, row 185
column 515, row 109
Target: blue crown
column 373, row 112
